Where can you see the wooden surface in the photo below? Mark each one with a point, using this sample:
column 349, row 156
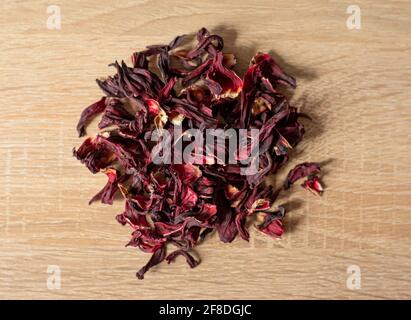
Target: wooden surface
column 354, row 83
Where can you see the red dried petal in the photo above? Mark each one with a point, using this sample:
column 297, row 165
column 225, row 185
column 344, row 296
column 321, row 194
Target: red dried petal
column 272, row 224
column 106, row 195
column 187, row 173
column 156, row 258
column 88, row 114
column 270, row 69
column 132, row 217
column 189, row 258
column 188, row 198
column 300, row 171
column 142, row 201
column 313, row 185
column 274, row 229
column 227, row 79
column 94, row 155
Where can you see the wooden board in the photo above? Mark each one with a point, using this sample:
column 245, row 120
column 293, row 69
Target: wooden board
column 355, row 84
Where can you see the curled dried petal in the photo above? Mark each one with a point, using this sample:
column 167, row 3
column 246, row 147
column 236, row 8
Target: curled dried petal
column 157, row 257
column 88, row 114
column 313, row 184
column 189, row 258
column 106, row 195
column 94, row 155
column 272, row 224
column 131, row 216
column 300, row 171
column 187, row 173
column 227, row 79
column 271, row 70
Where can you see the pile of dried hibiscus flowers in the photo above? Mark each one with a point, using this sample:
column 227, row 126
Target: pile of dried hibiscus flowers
column 179, row 203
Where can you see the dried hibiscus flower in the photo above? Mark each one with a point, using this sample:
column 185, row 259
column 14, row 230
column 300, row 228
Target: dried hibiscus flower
column 153, row 145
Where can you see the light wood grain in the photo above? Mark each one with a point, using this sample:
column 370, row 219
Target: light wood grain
column 354, row 83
